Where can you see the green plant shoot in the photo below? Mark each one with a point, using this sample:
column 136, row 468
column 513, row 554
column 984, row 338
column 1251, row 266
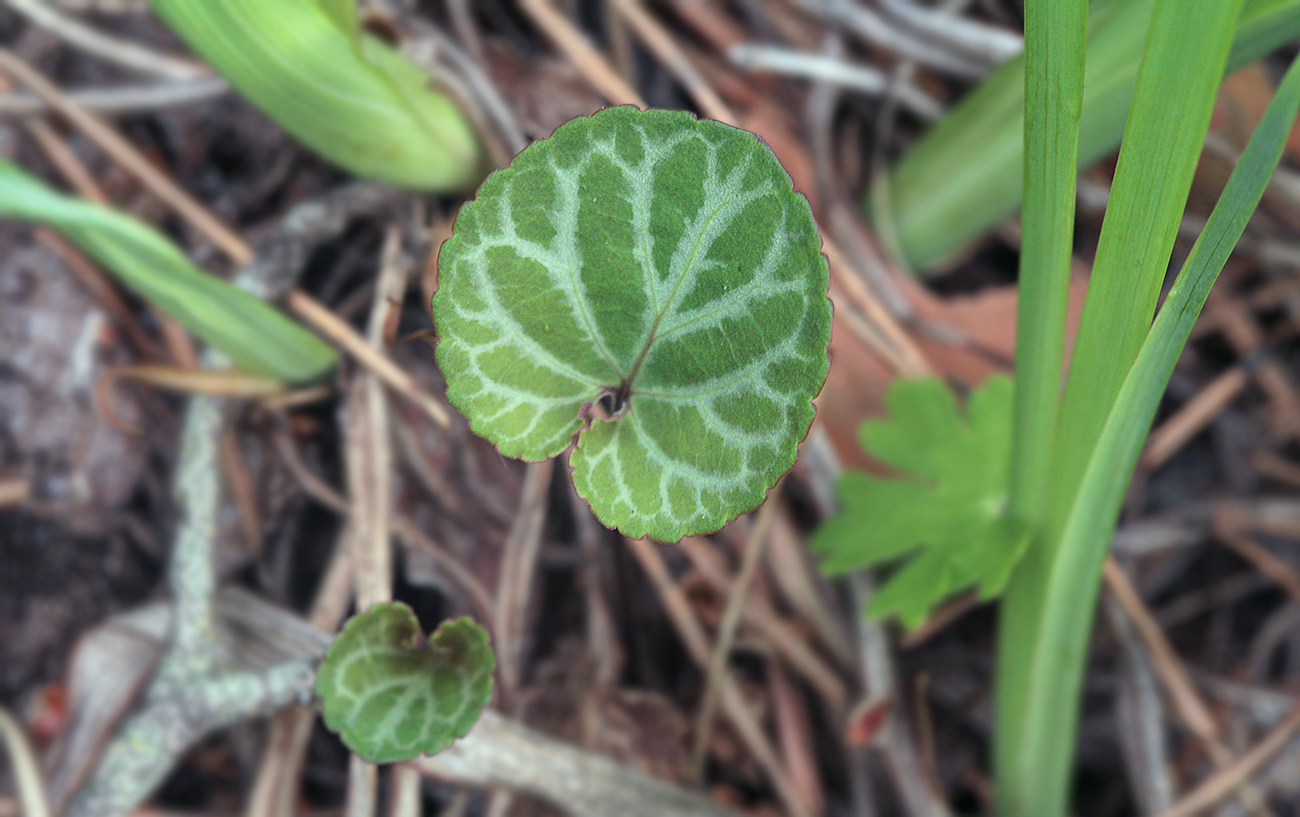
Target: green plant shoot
column 652, row 284
column 343, row 92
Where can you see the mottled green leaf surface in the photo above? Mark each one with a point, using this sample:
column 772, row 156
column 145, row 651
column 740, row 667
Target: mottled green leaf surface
column 391, row 694
column 947, row 510
column 652, row 282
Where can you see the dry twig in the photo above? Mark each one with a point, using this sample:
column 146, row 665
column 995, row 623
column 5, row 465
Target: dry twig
column 129, row 158
column 501, row 754
column 337, row 330
column 697, row 645
column 594, row 67
column 92, row 41
column 717, row 665
column 1233, row 777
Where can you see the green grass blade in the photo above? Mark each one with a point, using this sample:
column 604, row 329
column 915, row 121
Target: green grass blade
column 257, row 337
column 343, row 93
column 1054, row 71
column 1070, row 588
column 1183, row 60
column 965, row 176
column 1055, row 35
column 1187, row 48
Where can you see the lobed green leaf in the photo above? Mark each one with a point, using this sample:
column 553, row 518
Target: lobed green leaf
column 255, row 335
column 653, row 284
column 391, row 694
column 948, row 510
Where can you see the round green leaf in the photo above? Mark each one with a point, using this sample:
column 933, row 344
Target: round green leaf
column 652, row 283
column 391, row 694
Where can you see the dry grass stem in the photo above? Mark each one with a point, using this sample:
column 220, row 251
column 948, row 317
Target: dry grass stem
column 71, row 168
column 940, row 620
column 240, row 485
column 794, row 576
column 363, row 786
column 275, row 791
column 795, row 739
column 404, row 794
column 322, row 492
column 126, row 155
column 899, row 350
column 594, row 67
column 697, row 645
column 518, row 570
column 348, row 339
column 670, row 54
column 122, row 100
column 24, row 767
column 1264, row 561
column 1191, row 709
column 786, row 642
column 212, row 382
column 92, row 41
column 726, row 636
column 1238, row 774
column 1274, row 467
column 1171, row 435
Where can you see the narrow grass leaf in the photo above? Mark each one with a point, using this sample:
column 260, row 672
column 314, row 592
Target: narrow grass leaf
column 1054, row 73
column 1187, row 48
column 1183, row 58
column 1055, row 34
column 1070, row 588
column 253, row 334
column 653, row 284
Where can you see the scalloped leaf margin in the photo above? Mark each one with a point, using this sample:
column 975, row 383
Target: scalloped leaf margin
column 653, row 284
column 391, row 694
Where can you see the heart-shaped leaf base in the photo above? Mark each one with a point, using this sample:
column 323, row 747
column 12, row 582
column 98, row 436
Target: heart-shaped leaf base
column 391, row 694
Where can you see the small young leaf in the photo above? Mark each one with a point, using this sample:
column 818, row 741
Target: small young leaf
column 391, row 695
column 950, row 506
column 650, row 282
